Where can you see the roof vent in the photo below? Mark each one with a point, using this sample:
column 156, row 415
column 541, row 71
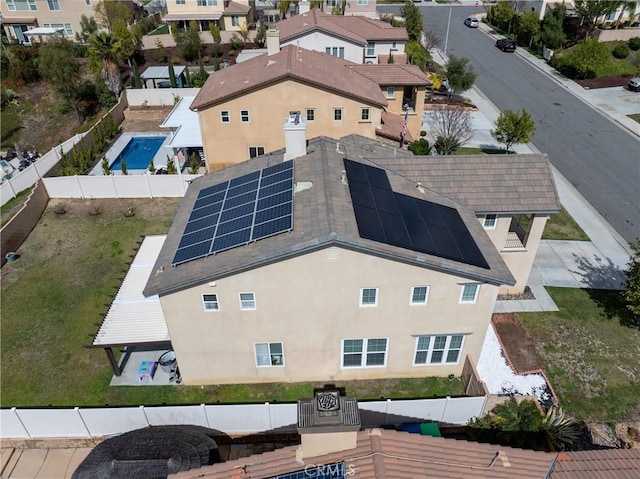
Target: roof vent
column 420, row 187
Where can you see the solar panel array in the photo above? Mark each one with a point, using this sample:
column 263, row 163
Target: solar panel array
column 244, row 209
column 393, row 218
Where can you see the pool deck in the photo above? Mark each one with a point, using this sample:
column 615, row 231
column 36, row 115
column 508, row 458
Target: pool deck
column 120, row 144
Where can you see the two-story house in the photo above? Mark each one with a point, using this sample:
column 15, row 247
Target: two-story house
column 20, row 16
column 354, row 38
column 363, row 8
column 225, row 14
column 240, row 109
column 329, row 266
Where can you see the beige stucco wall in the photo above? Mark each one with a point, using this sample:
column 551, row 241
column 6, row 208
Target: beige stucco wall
column 227, row 22
column 191, row 6
column 518, row 260
column 310, row 304
column 319, row 41
column 414, row 117
column 228, row 143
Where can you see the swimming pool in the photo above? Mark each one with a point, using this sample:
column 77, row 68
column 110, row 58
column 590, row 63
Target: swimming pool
column 138, row 153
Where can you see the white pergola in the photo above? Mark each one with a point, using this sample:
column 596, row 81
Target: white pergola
column 184, row 125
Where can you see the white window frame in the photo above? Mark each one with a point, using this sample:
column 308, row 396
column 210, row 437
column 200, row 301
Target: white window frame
column 365, row 114
column 412, row 301
column 310, row 114
column 180, row 2
column 463, row 290
column 87, row 2
column 338, row 111
column 66, row 27
column 30, row 4
column 365, row 352
column 255, row 151
column 225, row 116
column 54, row 5
column 235, row 20
column 269, row 353
column 428, row 352
column 371, row 49
column 244, row 116
column 363, row 2
column 391, row 92
column 394, row 45
column 490, row 221
column 210, row 304
column 248, row 304
column 368, row 305
column 206, row 3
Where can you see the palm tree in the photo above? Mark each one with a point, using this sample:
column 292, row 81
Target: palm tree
column 104, row 48
column 625, row 5
column 283, row 8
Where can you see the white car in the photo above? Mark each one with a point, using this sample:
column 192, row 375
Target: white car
column 472, row 22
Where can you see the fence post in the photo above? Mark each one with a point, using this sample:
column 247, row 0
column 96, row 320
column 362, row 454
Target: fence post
column 204, row 411
column 269, row 415
column 444, row 410
column 15, row 411
column 77, row 410
column 144, row 413
column 113, row 183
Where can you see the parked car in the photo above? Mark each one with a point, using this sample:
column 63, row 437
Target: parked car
column 634, row 84
column 472, row 22
column 506, row 44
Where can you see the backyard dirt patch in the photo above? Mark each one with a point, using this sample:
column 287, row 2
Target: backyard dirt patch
column 519, row 348
column 604, row 82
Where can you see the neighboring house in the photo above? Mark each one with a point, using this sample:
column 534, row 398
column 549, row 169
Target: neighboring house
column 341, row 269
column 354, row 38
column 226, row 14
column 19, row 16
column 363, row 8
column 241, row 108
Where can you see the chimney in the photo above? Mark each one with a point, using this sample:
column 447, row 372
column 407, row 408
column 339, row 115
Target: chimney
column 303, row 7
column 273, row 41
column 327, row 423
column 295, row 136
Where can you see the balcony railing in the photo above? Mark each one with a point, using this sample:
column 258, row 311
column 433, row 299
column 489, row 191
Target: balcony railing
column 517, row 235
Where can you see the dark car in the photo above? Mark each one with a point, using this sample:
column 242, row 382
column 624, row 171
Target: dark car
column 506, row 44
column 634, row 84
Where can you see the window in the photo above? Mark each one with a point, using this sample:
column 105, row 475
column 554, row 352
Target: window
column 179, row 2
column 87, row 2
column 22, row 5
column 391, row 92
column 371, row 49
column 335, row 51
column 369, row 297
column 310, row 114
column 68, row 29
column 490, row 221
column 365, row 114
column 244, row 116
column 53, row 4
column 362, row 2
column 247, row 301
column 419, row 294
column 337, row 114
column 224, row 116
column 394, row 45
column 256, row 151
column 469, row 293
column 438, row 349
column 269, row 354
column 210, row 302
column 204, row 3
column 364, row 353
column 235, row 21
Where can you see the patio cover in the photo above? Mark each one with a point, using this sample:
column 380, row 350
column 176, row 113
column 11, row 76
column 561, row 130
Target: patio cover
column 184, row 125
column 174, row 17
column 132, row 318
column 43, row 31
column 17, row 20
column 161, row 73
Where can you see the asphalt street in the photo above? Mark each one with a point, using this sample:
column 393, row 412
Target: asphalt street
column 600, row 159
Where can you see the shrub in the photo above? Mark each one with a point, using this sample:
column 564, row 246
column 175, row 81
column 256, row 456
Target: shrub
column 634, row 44
column 420, row 147
column 620, row 51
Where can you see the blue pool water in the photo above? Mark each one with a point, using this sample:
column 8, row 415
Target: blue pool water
column 138, row 152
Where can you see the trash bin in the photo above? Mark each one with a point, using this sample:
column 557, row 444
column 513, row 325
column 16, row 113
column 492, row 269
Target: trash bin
column 168, row 362
column 10, row 257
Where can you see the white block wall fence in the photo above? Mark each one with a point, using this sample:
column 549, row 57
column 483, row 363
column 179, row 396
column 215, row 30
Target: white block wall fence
column 230, row 419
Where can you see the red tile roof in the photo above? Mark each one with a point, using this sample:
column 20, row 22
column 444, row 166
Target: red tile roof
column 601, row 464
column 319, row 69
column 385, row 74
column 398, row 455
column 392, row 127
column 356, row 29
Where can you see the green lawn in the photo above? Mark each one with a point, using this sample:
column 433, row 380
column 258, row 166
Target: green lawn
column 67, row 272
column 635, row 117
column 590, row 357
column 164, row 29
column 617, row 66
column 561, row 226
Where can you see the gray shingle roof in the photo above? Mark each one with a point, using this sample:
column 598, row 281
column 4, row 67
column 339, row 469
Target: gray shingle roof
column 323, row 217
column 485, row 183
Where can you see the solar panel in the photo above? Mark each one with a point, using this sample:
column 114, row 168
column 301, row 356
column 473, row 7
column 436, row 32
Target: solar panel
column 235, row 212
column 400, row 220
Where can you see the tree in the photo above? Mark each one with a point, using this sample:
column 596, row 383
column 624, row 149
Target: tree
column 137, row 81
column 585, row 59
column 420, row 147
column 124, row 42
column 152, row 167
column 261, row 35
column 88, row 26
column 451, row 127
column 412, row 20
column 528, row 27
column 187, row 77
column 59, row 65
column 390, row 58
column 459, row 74
column 416, row 55
column 283, row 8
column 189, row 41
column 625, row 5
column 194, row 164
column 104, row 53
column 215, row 32
column 514, row 127
column 172, row 75
column 631, row 294
column 552, row 33
column 106, row 11
column 105, row 166
column 431, row 39
column 501, row 14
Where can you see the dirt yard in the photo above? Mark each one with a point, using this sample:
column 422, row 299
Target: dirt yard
column 520, row 350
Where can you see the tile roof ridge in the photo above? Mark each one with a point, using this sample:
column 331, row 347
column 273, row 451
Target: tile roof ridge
column 377, row 453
